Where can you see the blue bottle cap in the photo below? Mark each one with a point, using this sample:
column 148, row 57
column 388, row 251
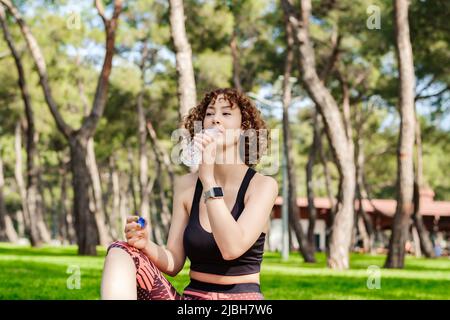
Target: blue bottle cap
column 141, row 221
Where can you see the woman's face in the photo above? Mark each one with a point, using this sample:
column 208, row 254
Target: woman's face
column 229, row 117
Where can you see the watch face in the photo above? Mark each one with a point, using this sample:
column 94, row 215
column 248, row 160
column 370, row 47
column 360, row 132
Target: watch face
column 218, row 192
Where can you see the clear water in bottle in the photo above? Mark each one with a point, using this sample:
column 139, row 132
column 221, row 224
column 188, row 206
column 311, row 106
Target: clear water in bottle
column 191, row 155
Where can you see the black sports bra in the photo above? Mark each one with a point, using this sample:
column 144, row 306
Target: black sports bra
column 202, row 250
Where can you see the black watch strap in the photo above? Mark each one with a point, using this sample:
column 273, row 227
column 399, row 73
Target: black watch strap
column 214, row 192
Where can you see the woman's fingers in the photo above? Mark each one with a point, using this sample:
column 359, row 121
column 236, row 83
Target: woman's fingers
column 130, row 234
column 135, row 234
column 204, row 138
column 209, row 136
column 134, row 239
column 202, row 141
column 132, row 226
column 198, row 145
column 207, row 141
column 132, row 219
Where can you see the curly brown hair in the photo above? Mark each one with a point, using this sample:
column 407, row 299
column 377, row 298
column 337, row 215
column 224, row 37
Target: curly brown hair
column 252, row 122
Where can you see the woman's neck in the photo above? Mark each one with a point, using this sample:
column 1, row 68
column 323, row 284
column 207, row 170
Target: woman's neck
column 229, row 167
column 229, row 174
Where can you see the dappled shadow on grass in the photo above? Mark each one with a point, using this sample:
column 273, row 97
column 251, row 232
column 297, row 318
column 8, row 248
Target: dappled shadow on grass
column 421, row 279
column 360, row 261
column 8, row 249
column 37, row 280
column 29, row 273
column 317, row 287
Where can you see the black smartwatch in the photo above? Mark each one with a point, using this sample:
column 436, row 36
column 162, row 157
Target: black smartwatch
column 215, row 192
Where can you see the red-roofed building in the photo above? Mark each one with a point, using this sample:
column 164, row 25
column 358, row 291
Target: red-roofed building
column 436, row 214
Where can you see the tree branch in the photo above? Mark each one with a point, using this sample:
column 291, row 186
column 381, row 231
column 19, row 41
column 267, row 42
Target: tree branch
column 331, row 61
column 427, row 85
column 90, row 123
column 41, row 67
column 101, row 10
column 432, row 95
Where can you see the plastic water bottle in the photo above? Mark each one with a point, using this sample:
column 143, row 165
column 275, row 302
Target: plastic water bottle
column 191, row 155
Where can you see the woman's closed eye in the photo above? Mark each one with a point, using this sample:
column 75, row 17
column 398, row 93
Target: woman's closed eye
column 211, row 114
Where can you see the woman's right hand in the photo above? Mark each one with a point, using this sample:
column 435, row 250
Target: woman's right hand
column 136, row 236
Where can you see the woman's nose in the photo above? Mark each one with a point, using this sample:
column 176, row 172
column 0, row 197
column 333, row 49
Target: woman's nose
column 216, row 120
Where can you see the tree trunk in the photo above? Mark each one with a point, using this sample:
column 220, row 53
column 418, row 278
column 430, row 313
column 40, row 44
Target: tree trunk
column 313, row 150
column 124, row 209
column 424, row 237
column 7, row 231
column 144, row 208
column 157, row 231
column 33, row 197
column 96, row 201
column 294, row 215
column 96, row 195
column 343, row 222
column 405, row 182
column 131, row 184
column 348, row 131
column 84, row 215
column 162, row 160
column 68, row 219
column 30, row 223
column 114, row 218
column 163, row 214
column 365, row 225
column 162, row 203
column 41, row 209
column 55, row 232
column 86, row 231
column 4, row 236
column 20, row 223
column 62, row 210
column 185, row 70
column 236, row 64
column 326, row 173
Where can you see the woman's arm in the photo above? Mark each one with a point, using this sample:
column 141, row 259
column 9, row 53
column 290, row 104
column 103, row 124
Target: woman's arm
column 170, row 259
column 233, row 237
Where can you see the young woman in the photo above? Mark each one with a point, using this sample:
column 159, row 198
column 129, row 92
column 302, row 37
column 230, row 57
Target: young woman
column 219, row 220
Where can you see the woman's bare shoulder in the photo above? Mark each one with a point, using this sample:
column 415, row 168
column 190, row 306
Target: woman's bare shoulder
column 185, row 181
column 185, row 188
column 261, row 182
column 185, row 185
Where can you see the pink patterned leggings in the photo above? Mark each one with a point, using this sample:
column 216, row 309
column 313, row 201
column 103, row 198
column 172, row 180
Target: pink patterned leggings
column 152, row 285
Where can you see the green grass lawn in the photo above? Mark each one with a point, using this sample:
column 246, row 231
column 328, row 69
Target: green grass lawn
column 27, row 273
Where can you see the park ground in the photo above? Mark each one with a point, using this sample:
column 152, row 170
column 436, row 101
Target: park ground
column 48, row 273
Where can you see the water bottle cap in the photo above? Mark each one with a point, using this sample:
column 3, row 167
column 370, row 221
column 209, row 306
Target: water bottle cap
column 141, row 221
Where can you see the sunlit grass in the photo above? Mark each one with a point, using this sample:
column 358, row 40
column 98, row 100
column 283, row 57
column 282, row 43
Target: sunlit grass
column 42, row 273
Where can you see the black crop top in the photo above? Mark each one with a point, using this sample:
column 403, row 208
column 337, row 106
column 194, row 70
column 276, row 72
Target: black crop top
column 202, row 250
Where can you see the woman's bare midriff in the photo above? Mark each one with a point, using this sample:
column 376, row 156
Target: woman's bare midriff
column 219, row 279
